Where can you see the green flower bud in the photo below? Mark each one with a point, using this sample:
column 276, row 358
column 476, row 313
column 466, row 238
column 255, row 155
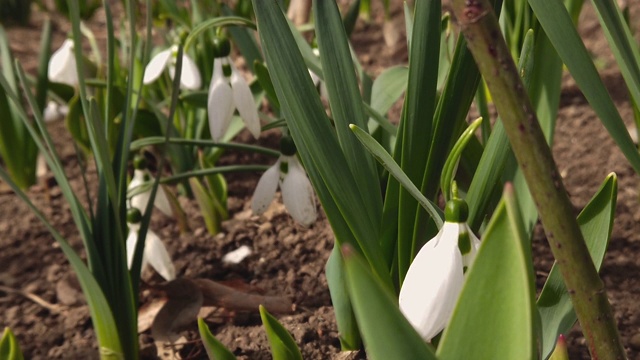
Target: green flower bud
column 134, row 216
column 287, row 146
column 221, row 47
column 456, row 211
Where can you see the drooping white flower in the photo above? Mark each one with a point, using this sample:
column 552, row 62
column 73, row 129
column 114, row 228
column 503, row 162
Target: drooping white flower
column 155, row 253
column 297, row 193
column 317, row 81
column 433, row 283
column 62, row 65
column 227, row 92
column 189, row 77
column 140, row 201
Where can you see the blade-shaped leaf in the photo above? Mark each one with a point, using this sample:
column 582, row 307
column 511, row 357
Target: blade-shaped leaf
column 215, row 349
column 385, row 331
column 9, row 348
column 283, row 347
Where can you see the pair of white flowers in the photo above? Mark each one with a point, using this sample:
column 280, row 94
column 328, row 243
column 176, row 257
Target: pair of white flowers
column 435, row 278
column 228, row 90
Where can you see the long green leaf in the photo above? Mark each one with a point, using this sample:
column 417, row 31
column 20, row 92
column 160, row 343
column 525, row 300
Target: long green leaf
column 326, row 164
column 215, row 349
column 283, row 347
column 494, row 316
column 346, row 102
column 557, row 23
column 596, row 224
column 9, row 348
column 386, row 332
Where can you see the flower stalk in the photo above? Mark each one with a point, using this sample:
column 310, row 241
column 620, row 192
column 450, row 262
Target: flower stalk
column 480, row 27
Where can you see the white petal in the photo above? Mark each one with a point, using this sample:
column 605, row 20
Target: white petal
column 469, row 258
column 297, row 194
column 62, row 65
column 162, row 201
column 219, row 104
column 237, row 255
column 433, row 283
column 315, row 78
column 190, row 78
column 158, row 257
column 266, row 189
column 244, row 102
column 132, row 240
column 140, row 200
column 156, row 66
column 51, row 112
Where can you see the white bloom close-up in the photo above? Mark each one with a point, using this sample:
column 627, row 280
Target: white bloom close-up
column 140, row 201
column 62, row 65
column 433, row 283
column 226, row 94
column 297, row 192
column 317, row 81
column 189, row 77
column 155, row 253
column 54, row 112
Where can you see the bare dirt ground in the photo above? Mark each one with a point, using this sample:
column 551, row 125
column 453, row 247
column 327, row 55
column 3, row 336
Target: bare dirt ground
column 288, row 260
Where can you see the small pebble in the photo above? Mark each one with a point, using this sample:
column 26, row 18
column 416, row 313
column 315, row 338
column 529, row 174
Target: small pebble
column 635, row 341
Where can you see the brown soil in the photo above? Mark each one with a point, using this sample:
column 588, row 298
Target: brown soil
column 288, row 260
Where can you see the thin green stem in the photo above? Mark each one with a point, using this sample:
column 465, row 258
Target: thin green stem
column 480, row 27
column 155, row 140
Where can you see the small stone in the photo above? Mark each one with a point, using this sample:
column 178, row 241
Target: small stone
column 635, row 341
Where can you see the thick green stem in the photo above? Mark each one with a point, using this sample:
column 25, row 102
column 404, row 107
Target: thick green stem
column 480, row 27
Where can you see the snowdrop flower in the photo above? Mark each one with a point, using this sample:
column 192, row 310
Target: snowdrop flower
column 155, row 253
column 317, row 82
column 190, row 76
column 53, row 111
column 140, row 201
column 229, row 91
column 62, row 65
column 297, row 193
column 436, row 275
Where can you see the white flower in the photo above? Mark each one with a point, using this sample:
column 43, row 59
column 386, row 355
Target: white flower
column 317, row 82
column 227, row 93
column 140, row 201
column 297, row 193
column 62, row 65
column 53, row 111
column 190, row 75
column 155, row 253
column 435, row 278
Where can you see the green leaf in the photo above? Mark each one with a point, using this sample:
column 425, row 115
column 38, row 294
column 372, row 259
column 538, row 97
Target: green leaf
column 380, row 154
column 494, row 316
column 385, row 331
column 558, row 26
column 9, row 348
column 215, row 349
column 348, row 327
column 345, row 102
column 596, row 224
column 388, row 87
column 215, row 22
column 283, row 347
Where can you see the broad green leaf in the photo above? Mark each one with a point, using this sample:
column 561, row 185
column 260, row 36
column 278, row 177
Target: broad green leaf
column 345, row 102
column 348, row 327
column 622, row 43
column 215, row 349
column 394, row 169
column 596, row 223
column 388, row 87
column 494, row 316
column 385, row 331
column 326, row 164
column 9, row 348
column 283, row 347
column 557, row 23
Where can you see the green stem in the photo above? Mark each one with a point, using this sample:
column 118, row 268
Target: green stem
column 155, row 140
column 481, row 30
